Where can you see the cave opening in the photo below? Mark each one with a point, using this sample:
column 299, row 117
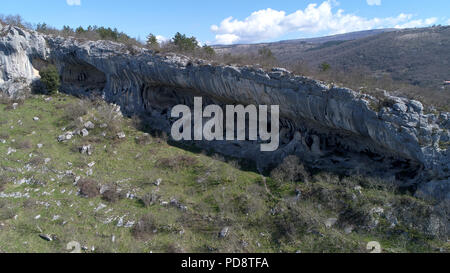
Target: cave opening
column 82, row 77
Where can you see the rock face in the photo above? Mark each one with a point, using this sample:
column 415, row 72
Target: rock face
column 18, row 48
column 328, row 127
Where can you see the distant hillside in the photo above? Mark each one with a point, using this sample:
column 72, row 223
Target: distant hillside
column 417, row 56
column 291, row 46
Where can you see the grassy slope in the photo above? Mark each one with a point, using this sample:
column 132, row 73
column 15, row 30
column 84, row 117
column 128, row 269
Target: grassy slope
column 263, row 216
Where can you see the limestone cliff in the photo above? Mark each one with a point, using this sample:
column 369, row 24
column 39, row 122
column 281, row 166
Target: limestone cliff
column 328, row 127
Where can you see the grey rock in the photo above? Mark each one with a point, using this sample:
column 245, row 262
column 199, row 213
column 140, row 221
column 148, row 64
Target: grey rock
column 330, row 222
column 46, row 237
column 316, row 118
column 84, row 132
column 434, row 191
column 89, row 125
column 158, row 182
column 86, row 149
column 224, row 232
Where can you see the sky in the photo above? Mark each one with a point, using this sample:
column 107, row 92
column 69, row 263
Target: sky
column 233, row 21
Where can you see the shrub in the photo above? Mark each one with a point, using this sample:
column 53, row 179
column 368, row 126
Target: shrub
column 174, row 248
column 324, row 67
column 72, row 111
column 50, row 78
column 111, row 195
column 178, row 162
column 88, row 188
column 149, row 199
column 208, row 51
column 290, row 170
column 145, row 227
column 26, row 144
column 36, row 161
column 3, row 181
column 145, row 139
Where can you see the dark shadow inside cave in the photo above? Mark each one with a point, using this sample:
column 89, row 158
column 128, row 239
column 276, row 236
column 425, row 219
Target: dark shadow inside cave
column 82, row 77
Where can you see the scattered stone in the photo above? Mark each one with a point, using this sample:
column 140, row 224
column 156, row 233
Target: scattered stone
column 89, row 125
column 11, row 151
column 46, row 237
column 348, row 229
column 65, row 137
column 40, row 146
column 47, row 160
column 330, row 222
column 120, row 222
column 86, row 149
column 37, row 217
column 100, row 207
column 84, row 132
column 35, row 118
column 15, row 105
column 224, row 232
column 158, row 182
column 113, row 238
column 129, row 224
column 90, row 165
column 121, row 135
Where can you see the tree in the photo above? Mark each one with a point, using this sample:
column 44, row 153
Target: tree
column 324, row 67
column 41, row 27
column 50, row 79
column 152, row 41
column 266, row 53
column 209, row 51
column 80, row 30
column 184, row 43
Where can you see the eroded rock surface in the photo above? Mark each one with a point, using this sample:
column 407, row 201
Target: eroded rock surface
column 328, row 127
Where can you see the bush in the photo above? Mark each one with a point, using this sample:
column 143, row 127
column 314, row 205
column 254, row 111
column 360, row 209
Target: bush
column 290, row 170
column 111, row 195
column 72, row 111
column 324, row 67
column 3, row 181
column 50, row 79
column 177, row 163
column 149, row 199
column 25, row 144
column 88, row 188
column 145, row 227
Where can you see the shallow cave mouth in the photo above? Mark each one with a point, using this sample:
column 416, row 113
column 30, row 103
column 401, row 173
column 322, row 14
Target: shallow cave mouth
column 340, row 154
column 80, row 78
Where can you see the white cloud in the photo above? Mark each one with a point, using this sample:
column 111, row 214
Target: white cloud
column 269, row 24
column 448, row 22
column 73, row 2
column 161, row 39
column 374, row 2
column 418, row 23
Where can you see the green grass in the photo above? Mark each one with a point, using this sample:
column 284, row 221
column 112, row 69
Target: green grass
column 216, row 194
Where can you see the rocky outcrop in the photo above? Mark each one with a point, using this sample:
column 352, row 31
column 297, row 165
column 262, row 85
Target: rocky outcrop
column 17, row 50
column 328, row 127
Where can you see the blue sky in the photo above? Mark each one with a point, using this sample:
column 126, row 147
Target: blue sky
column 234, row 21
